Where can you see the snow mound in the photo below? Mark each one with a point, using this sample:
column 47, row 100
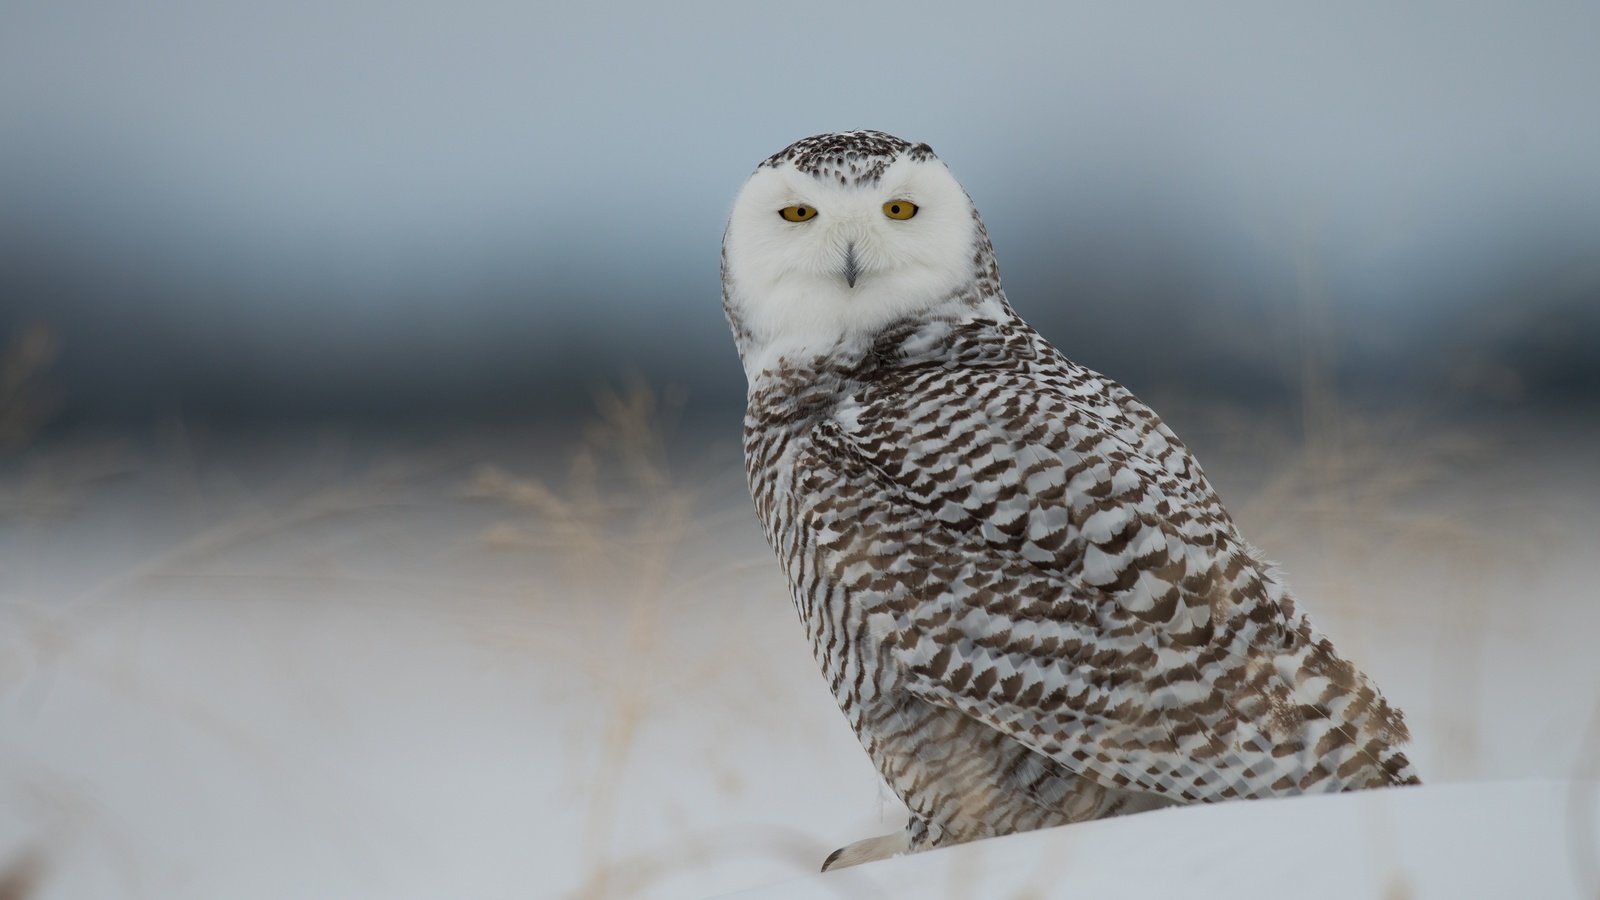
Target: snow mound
column 1494, row 839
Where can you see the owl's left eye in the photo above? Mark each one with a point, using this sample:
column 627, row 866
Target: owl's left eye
column 900, row 209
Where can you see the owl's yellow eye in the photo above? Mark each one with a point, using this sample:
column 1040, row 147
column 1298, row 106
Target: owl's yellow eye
column 798, row 213
column 900, row 209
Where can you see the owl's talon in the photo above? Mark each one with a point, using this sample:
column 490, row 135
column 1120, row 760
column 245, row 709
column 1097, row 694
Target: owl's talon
column 881, row 847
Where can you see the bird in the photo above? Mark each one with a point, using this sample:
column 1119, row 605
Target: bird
column 1028, row 601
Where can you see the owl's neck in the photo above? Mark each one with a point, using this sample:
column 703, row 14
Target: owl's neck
column 928, row 336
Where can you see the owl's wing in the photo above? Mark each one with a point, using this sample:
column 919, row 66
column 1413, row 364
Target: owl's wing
column 1044, row 556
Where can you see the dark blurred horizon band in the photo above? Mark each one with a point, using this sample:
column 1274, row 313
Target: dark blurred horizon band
column 439, row 213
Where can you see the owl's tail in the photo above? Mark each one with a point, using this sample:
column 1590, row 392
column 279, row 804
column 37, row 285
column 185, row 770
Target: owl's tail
column 1358, row 734
column 1397, row 769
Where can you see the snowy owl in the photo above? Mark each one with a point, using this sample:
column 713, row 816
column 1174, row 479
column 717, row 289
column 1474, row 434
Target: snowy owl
column 1030, row 604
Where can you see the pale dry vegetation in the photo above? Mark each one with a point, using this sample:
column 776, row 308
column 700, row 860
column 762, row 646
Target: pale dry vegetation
column 27, row 399
column 625, row 542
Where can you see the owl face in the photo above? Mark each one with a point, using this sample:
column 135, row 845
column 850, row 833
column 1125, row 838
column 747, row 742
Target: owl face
column 814, row 255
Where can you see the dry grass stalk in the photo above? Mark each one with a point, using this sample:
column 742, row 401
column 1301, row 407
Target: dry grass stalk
column 615, row 533
column 26, row 400
column 20, row 878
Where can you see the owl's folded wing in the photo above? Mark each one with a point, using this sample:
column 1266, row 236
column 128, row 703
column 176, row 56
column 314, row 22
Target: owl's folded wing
column 1050, row 575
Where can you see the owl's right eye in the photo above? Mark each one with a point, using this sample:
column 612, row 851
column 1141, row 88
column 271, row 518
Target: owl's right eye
column 798, row 213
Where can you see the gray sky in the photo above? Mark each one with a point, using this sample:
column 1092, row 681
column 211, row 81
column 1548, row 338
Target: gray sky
column 296, row 206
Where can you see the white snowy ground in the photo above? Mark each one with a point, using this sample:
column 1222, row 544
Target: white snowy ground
column 307, row 666
column 1486, row 840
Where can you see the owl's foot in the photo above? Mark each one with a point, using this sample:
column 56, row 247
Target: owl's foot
column 919, row 834
column 881, row 847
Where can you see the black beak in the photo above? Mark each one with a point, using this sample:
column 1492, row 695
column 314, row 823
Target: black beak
column 850, row 269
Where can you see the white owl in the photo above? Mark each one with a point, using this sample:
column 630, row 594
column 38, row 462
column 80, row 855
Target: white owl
column 1028, row 601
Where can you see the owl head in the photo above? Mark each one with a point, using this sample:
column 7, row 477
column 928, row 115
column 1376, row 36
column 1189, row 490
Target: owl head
column 838, row 236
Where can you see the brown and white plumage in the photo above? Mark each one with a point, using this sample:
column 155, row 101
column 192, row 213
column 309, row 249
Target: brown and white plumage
column 1028, row 601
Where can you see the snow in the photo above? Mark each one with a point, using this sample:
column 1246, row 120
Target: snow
column 1452, row 841
column 485, row 665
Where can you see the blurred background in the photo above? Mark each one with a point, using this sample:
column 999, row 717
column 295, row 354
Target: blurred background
column 371, row 514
